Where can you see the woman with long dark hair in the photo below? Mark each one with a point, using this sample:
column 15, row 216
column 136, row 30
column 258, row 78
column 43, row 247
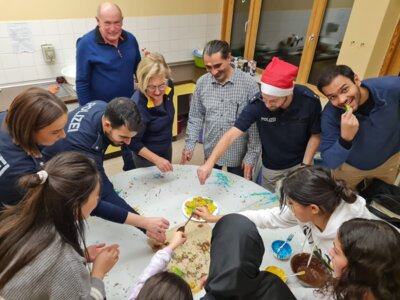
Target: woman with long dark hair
column 366, row 263
column 42, row 238
column 312, row 199
column 35, row 118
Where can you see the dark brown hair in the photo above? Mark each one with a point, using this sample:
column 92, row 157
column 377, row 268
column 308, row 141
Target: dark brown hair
column 315, row 185
column 371, row 248
column 330, row 73
column 31, row 111
column 123, row 111
column 165, row 286
column 48, row 209
column 217, row 46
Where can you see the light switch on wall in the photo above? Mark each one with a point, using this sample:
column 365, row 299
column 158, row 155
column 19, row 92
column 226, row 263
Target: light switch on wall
column 49, row 53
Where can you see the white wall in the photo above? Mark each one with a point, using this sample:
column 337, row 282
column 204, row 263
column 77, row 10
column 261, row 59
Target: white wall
column 173, row 36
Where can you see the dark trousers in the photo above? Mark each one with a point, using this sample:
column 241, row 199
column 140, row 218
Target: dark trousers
column 127, row 158
column 234, row 170
column 141, row 162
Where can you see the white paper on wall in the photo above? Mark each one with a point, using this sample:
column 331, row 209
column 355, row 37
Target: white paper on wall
column 21, row 37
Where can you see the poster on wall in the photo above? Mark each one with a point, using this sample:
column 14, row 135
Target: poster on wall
column 21, row 37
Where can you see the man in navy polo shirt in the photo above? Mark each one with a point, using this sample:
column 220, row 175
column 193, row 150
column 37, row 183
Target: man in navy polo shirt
column 360, row 125
column 288, row 122
column 91, row 129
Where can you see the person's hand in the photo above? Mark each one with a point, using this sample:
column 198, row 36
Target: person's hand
column 204, row 213
column 158, row 237
column 203, row 281
column 104, row 261
column 247, row 169
column 203, row 172
column 349, row 126
column 93, row 251
column 155, row 228
column 163, row 165
column 186, row 157
column 177, row 239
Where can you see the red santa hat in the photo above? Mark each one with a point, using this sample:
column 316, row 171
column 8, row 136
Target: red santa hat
column 277, row 78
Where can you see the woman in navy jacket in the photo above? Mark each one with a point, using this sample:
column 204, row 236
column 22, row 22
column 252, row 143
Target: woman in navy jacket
column 153, row 146
column 35, row 118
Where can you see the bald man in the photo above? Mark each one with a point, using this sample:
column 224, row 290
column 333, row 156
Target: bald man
column 106, row 58
column 106, row 61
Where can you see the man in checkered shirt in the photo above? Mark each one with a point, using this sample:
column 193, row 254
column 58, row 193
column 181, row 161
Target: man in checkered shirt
column 219, row 98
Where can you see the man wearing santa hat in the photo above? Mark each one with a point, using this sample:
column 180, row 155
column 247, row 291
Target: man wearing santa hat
column 288, row 122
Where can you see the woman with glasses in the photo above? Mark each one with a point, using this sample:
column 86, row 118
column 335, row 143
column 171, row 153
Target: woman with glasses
column 153, row 146
column 314, row 200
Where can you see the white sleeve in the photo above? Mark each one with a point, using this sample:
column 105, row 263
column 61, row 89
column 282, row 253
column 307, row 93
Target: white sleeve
column 303, row 293
column 271, row 218
column 158, row 263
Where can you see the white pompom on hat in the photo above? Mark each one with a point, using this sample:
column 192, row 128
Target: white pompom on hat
column 277, row 78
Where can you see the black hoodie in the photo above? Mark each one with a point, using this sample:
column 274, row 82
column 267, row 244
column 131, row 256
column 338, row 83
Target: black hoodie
column 236, row 254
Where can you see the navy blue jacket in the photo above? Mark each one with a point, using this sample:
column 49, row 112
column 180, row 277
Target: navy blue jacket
column 378, row 136
column 158, row 120
column 285, row 133
column 104, row 71
column 85, row 134
column 14, row 162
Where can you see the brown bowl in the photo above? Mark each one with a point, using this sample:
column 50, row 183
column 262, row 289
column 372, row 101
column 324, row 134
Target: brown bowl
column 316, row 274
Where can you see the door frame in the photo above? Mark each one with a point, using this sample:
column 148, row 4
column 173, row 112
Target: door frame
column 391, row 62
column 311, row 38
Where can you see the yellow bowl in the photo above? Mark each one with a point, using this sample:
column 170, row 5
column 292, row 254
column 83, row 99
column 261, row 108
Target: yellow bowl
column 277, row 271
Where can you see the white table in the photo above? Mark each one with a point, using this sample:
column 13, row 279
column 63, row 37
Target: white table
column 154, row 194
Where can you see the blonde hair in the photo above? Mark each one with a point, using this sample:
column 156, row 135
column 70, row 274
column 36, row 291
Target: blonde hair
column 152, row 65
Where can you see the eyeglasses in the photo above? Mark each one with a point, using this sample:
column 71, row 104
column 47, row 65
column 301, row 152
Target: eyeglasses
column 153, row 88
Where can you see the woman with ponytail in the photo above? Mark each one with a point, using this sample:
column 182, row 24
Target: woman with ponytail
column 42, row 239
column 312, row 199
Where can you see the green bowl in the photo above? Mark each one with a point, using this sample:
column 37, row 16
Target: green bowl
column 198, row 59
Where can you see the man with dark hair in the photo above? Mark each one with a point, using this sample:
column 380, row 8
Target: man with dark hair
column 219, row 98
column 91, row 129
column 288, row 122
column 360, row 125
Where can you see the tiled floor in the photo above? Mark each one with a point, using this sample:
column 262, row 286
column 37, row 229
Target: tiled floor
column 114, row 165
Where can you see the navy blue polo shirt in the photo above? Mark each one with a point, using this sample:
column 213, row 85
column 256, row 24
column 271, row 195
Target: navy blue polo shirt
column 14, row 163
column 158, row 120
column 284, row 133
column 85, row 134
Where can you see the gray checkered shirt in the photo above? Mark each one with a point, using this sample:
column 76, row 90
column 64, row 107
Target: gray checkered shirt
column 215, row 107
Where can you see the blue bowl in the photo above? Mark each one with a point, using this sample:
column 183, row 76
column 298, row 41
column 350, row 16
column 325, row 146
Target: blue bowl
column 284, row 253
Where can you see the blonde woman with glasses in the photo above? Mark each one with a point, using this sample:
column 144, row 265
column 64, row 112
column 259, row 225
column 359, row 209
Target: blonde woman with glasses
column 153, row 146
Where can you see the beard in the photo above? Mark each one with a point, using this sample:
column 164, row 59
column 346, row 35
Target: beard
column 112, row 142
